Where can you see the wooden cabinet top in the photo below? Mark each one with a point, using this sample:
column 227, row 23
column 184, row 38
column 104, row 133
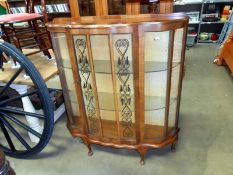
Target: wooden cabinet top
column 114, row 7
column 61, row 23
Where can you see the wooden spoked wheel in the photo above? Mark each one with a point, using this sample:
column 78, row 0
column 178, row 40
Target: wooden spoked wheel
column 18, row 126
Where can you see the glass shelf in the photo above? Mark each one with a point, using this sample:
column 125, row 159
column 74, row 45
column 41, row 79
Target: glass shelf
column 104, row 66
column 152, row 66
column 215, row 22
column 152, row 103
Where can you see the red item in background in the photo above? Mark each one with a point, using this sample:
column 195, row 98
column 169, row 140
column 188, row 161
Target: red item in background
column 226, row 12
column 214, row 37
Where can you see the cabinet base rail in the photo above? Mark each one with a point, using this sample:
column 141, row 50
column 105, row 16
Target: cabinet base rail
column 141, row 148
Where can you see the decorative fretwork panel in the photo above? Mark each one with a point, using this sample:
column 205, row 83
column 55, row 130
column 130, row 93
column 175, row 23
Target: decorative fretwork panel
column 122, row 46
column 106, row 72
column 85, row 73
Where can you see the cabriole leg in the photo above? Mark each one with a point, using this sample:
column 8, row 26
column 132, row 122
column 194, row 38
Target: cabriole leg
column 173, row 146
column 90, row 153
column 142, row 151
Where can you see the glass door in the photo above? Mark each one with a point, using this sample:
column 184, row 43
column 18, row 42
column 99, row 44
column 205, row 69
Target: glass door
column 149, row 6
column 116, row 7
column 162, row 56
column 87, row 7
column 119, row 7
column 60, row 44
column 105, row 66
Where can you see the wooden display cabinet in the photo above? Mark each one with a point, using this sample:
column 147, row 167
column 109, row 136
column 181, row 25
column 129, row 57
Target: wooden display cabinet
column 122, row 78
column 118, row 7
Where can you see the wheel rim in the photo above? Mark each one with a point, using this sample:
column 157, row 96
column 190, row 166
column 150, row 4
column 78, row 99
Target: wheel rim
column 14, row 138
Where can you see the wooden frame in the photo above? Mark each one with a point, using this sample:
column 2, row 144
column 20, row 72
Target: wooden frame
column 137, row 28
column 132, row 7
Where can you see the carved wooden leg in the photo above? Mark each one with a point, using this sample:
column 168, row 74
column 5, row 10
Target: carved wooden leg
column 40, row 39
column 142, row 151
column 173, row 146
column 46, row 53
column 90, row 153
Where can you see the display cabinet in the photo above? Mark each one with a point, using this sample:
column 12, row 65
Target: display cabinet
column 122, row 78
column 119, row 7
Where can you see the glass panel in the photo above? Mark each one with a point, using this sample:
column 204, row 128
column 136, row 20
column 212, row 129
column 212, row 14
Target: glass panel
column 122, row 51
column 104, row 84
column 61, row 51
column 87, row 7
column 103, row 66
column 105, row 91
column 69, row 79
column 109, row 124
column 178, row 42
column 149, row 6
column 177, row 53
column 84, row 66
column 154, row 124
column 73, row 98
column 156, row 47
column 174, row 83
column 155, row 89
column 156, row 60
column 116, row 7
column 173, row 96
column 107, row 101
column 71, row 87
column 61, row 48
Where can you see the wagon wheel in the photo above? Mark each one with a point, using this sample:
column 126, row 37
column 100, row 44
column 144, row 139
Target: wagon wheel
column 14, row 138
